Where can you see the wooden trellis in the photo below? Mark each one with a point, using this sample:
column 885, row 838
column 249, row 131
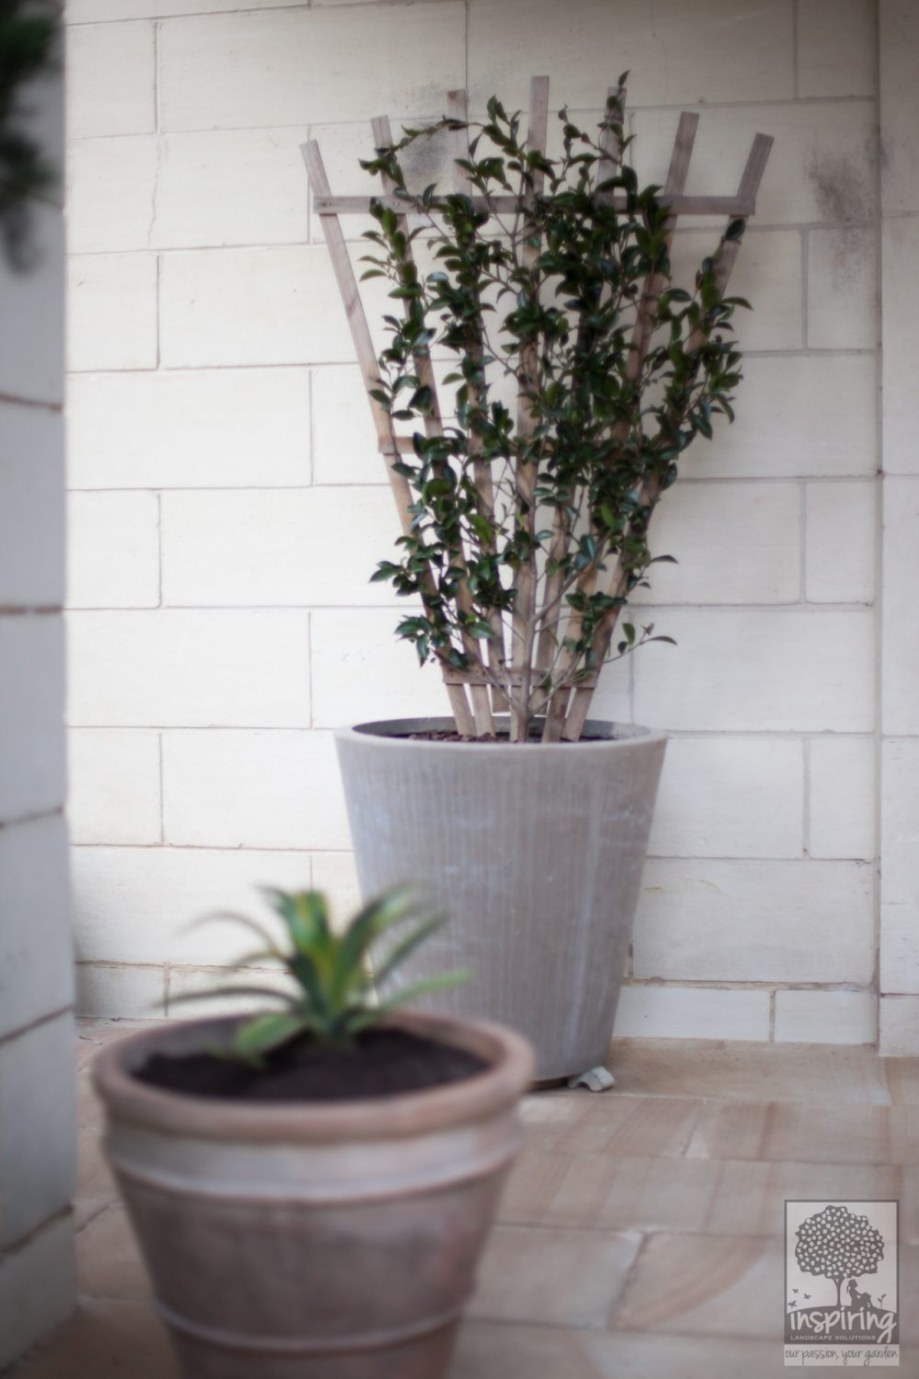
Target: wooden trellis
column 475, row 698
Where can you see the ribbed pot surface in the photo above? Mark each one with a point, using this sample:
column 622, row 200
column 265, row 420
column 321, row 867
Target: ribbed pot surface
column 534, row 851
column 313, row 1241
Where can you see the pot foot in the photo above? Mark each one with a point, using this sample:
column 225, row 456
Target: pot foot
column 597, row 1079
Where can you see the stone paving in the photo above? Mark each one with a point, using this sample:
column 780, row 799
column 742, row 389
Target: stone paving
column 641, row 1234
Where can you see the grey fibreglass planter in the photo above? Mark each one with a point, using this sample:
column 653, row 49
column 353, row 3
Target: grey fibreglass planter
column 534, row 851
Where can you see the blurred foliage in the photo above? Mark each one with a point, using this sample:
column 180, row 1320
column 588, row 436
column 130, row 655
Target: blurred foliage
column 28, row 50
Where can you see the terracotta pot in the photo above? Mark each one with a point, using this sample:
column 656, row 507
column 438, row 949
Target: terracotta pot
column 534, row 851
column 313, row 1241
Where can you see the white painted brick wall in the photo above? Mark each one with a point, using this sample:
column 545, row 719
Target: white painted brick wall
column 802, row 414
column 236, row 789
column 275, row 547
column 674, row 1012
column 111, row 80
column 585, row 46
column 899, row 1025
column 214, row 375
column 115, row 785
column 711, row 527
column 769, row 273
column 110, row 186
column 362, row 672
column 185, row 983
column 111, row 312
column 295, row 67
column 899, row 700
column 841, row 800
column 754, row 921
column 842, row 289
column 899, row 843
column 344, row 438
column 121, row 992
column 335, row 873
column 840, row 553
column 114, row 550
column 277, row 305
column 747, row 799
column 136, row 905
column 96, row 11
column 826, row 1017
column 899, row 726
column 755, row 669
column 190, row 668
column 900, row 247
column 847, row 65
column 225, row 187
column 800, row 186
column 219, row 428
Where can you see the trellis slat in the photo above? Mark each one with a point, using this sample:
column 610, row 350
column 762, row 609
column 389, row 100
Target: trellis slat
column 367, row 361
column 547, row 646
column 638, row 349
column 692, row 204
column 522, row 623
column 725, row 258
column 433, row 426
column 495, row 652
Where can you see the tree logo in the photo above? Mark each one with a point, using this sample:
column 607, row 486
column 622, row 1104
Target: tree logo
column 841, row 1284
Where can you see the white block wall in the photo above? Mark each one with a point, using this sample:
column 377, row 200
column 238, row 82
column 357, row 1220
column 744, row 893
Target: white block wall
column 220, row 625
column 37, row 1122
column 899, row 916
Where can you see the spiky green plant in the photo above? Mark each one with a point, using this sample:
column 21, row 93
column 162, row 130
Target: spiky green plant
column 335, row 992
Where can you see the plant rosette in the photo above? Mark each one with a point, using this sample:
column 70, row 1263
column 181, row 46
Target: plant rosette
column 330, row 1238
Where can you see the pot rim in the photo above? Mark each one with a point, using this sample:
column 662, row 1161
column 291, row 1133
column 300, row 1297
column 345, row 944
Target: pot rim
column 385, row 731
column 394, row 1117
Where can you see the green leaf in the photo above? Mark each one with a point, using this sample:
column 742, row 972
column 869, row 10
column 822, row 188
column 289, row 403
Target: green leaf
column 235, row 989
column 403, row 950
column 244, row 921
column 264, row 1033
column 443, row 982
column 375, row 918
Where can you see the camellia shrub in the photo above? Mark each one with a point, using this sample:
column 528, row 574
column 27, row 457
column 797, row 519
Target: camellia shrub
column 549, row 280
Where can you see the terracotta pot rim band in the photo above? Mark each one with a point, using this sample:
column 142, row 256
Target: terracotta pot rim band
column 271, row 1345
column 486, row 1166
column 386, row 1118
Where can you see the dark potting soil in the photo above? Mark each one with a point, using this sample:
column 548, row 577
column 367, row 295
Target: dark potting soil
column 450, row 735
column 381, row 1063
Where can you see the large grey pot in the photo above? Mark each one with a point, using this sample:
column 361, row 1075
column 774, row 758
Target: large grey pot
column 535, row 851
column 296, row 1240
